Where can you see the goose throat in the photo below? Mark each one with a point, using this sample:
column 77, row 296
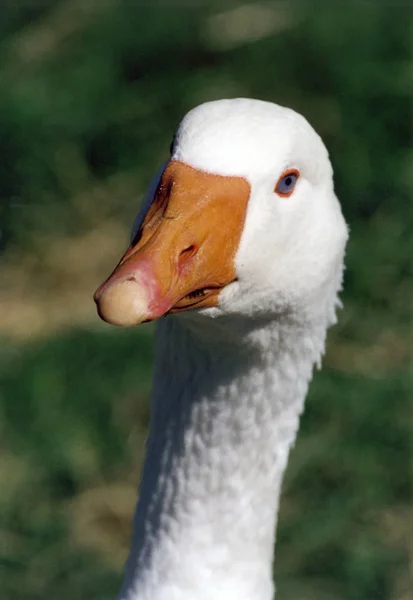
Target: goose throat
column 220, row 433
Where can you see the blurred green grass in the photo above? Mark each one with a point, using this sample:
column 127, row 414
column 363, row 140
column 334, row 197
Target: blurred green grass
column 90, row 95
column 64, row 434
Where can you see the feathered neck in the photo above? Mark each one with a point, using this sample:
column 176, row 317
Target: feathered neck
column 225, row 412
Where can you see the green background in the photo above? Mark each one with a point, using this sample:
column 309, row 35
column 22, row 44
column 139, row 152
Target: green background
column 90, row 95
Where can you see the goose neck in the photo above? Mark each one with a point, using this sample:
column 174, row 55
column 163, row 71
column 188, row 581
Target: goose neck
column 222, row 424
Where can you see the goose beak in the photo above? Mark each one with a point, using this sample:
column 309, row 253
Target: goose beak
column 183, row 254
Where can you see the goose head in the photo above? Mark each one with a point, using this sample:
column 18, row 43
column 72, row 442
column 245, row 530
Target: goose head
column 241, row 220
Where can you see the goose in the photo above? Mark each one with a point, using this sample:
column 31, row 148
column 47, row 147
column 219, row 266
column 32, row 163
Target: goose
column 239, row 246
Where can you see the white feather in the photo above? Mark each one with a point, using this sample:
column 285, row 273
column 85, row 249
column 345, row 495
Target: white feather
column 230, row 382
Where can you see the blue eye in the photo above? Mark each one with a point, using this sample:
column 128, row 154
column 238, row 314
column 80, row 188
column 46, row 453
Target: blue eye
column 286, row 183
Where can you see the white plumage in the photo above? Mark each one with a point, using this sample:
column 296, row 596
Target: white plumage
column 230, row 379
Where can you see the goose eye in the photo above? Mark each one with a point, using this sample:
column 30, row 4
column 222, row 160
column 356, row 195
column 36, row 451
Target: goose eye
column 286, row 183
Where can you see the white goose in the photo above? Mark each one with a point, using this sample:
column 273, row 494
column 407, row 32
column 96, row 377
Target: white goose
column 242, row 229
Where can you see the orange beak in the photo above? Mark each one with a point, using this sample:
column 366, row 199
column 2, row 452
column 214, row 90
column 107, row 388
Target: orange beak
column 183, row 254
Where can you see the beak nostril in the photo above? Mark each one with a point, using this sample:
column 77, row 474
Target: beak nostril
column 187, row 254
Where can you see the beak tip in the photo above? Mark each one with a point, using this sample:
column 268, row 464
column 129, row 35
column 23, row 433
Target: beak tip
column 123, row 303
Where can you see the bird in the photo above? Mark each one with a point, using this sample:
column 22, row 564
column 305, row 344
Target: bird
column 238, row 253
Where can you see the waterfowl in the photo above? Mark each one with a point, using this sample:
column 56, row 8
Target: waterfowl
column 239, row 245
